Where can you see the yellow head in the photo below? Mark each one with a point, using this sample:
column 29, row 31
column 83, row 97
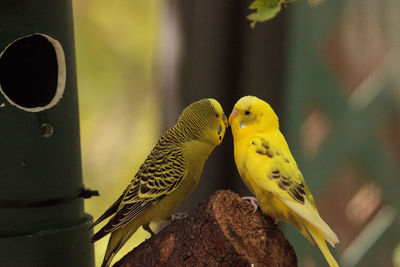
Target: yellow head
column 251, row 115
column 204, row 119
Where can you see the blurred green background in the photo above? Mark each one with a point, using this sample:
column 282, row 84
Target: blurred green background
column 331, row 71
column 116, row 46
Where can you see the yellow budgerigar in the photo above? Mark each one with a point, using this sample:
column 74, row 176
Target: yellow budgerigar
column 170, row 172
column 269, row 170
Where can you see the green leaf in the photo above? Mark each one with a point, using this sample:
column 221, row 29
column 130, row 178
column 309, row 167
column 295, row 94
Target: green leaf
column 266, row 10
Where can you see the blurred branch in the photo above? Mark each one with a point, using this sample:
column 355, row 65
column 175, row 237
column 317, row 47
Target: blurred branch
column 221, row 231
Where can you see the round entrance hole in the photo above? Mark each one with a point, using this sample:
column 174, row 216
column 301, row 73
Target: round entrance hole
column 32, row 72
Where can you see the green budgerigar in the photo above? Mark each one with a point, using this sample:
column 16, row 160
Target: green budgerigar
column 170, row 172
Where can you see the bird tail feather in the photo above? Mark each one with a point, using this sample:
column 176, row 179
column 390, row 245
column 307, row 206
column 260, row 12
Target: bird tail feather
column 319, row 241
column 309, row 214
column 117, row 239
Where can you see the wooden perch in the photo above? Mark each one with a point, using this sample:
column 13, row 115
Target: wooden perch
column 222, row 231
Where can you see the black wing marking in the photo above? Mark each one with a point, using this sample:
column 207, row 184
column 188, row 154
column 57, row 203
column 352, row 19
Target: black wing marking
column 110, row 211
column 288, row 184
column 284, row 171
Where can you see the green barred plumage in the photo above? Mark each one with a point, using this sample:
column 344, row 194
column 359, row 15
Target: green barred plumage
column 178, row 156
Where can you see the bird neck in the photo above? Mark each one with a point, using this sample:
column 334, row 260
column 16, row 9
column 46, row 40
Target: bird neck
column 244, row 132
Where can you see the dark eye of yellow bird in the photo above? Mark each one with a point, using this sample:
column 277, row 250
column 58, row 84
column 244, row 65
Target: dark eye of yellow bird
column 216, row 115
column 247, row 112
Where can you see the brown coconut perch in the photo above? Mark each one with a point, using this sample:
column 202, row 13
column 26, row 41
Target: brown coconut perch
column 220, row 232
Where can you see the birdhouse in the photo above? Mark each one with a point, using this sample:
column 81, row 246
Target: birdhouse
column 43, row 222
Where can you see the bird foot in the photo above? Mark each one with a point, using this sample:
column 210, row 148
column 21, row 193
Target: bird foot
column 177, row 216
column 253, row 201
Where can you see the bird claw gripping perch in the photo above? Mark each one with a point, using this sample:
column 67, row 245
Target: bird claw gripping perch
column 253, row 201
column 177, row 216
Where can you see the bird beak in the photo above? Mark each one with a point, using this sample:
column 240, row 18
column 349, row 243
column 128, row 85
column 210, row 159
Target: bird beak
column 233, row 115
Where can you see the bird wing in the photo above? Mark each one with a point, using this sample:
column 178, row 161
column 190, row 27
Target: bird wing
column 160, row 174
column 110, row 211
column 272, row 167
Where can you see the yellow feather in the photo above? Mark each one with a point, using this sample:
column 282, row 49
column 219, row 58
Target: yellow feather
column 269, row 170
column 170, row 172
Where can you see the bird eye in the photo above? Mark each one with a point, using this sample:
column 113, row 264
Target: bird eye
column 247, row 112
column 216, row 115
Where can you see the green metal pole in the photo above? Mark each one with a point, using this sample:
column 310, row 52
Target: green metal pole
column 42, row 219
